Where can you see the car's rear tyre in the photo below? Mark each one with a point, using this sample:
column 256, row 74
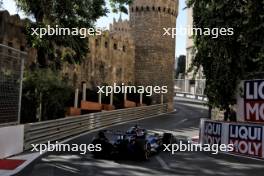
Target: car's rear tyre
column 147, row 152
column 167, row 138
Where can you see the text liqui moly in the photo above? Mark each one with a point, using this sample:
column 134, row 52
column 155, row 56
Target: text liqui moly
column 212, row 133
column 247, row 140
column 254, row 101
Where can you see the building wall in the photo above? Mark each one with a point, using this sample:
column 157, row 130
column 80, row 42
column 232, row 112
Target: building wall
column 196, row 87
column 190, row 49
column 11, row 28
column 110, row 59
column 154, row 53
column 130, row 52
column 189, row 43
column 11, row 34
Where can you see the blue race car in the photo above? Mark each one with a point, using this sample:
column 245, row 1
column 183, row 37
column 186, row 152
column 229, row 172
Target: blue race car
column 136, row 143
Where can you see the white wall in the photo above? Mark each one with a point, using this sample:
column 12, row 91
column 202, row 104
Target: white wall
column 11, row 140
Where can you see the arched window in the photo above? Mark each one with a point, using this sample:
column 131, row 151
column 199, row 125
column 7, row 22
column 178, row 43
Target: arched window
column 153, row 8
column 147, row 8
column 22, row 48
column 136, row 9
column 132, row 9
column 115, row 46
column 159, row 9
column 96, row 42
column 124, row 48
column 142, row 8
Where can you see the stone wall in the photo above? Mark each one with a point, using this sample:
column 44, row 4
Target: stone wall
column 130, row 52
column 154, row 53
column 12, row 35
column 110, row 59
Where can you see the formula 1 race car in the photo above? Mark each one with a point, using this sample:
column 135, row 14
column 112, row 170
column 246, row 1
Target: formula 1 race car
column 136, row 143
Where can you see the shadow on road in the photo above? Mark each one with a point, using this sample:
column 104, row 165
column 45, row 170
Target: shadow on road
column 183, row 123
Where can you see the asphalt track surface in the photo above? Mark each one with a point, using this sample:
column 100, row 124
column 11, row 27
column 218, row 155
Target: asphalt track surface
column 184, row 123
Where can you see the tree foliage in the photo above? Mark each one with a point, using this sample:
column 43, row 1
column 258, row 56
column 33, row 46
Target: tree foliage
column 68, row 14
column 46, row 89
column 120, row 5
column 181, row 66
column 228, row 59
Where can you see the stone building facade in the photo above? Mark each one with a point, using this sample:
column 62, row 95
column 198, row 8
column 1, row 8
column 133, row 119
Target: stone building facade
column 11, row 31
column 194, row 84
column 134, row 51
column 155, row 53
column 110, row 60
column 12, row 35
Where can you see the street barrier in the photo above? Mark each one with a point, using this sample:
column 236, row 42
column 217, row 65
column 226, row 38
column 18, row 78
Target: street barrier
column 11, row 140
column 55, row 130
column 247, row 138
column 191, row 96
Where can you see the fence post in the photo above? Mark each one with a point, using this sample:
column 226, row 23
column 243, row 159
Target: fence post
column 84, row 92
column 162, row 99
column 20, row 89
column 76, row 98
column 125, row 96
column 111, row 98
column 100, row 98
column 141, row 98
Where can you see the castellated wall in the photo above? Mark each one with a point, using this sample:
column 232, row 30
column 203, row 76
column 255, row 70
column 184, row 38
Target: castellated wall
column 110, row 59
column 130, row 52
column 11, row 34
column 154, row 53
column 11, row 31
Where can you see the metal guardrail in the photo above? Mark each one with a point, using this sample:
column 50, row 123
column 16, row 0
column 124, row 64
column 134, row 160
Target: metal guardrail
column 55, row 130
column 191, row 96
column 191, row 86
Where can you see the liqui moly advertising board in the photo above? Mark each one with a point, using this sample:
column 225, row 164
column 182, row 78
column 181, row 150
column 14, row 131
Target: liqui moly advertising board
column 253, row 101
column 212, row 133
column 246, row 139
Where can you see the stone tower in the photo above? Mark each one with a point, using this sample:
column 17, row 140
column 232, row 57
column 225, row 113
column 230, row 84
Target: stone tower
column 154, row 52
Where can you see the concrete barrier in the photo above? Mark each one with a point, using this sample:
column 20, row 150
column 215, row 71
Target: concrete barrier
column 191, row 96
column 11, row 140
column 56, row 130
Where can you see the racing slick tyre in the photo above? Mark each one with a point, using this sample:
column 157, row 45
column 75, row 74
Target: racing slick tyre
column 106, row 152
column 147, row 152
column 167, row 138
column 142, row 149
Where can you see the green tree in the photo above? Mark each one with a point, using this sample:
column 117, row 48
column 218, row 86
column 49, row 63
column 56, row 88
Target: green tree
column 181, row 66
column 45, row 95
column 227, row 60
column 68, row 14
column 120, row 5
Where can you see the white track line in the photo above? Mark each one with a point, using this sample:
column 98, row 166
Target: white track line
column 162, row 163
